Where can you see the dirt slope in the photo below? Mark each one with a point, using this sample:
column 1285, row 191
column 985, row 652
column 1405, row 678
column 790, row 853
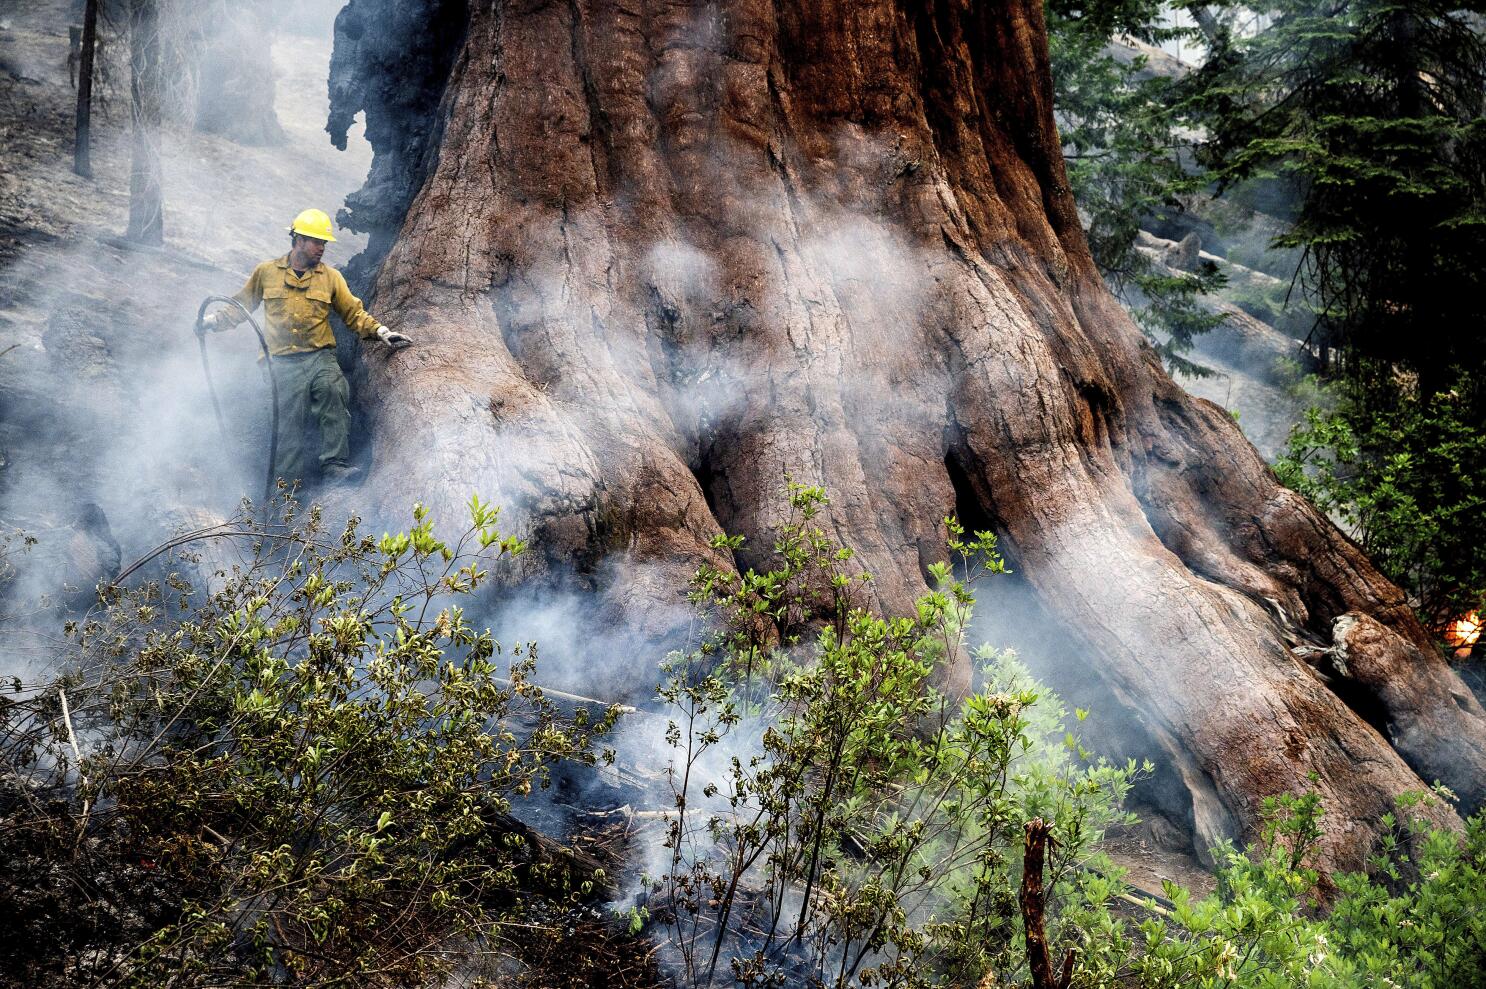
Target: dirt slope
column 101, row 394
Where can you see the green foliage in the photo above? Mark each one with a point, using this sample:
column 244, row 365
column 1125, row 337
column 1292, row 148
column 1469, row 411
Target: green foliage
column 300, row 778
column 1422, row 924
column 839, row 820
column 1416, row 921
column 1402, row 472
column 1125, row 162
column 1370, row 113
column 1371, row 116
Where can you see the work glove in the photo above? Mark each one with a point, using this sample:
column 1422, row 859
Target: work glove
column 215, row 323
column 392, row 338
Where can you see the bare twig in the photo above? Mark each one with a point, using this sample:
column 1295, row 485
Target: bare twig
column 213, row 532
column 76, row 753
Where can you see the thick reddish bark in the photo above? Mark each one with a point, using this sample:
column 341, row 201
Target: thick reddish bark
column 657, row 256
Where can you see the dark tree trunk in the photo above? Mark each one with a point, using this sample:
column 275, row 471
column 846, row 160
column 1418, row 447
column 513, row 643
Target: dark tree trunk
column 82, row 161
column 146, row 82
column 658, row 256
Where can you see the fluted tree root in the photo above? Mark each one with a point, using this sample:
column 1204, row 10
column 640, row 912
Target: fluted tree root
column 659, row 256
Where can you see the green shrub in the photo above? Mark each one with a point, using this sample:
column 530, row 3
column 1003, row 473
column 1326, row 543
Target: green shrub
column 1415, row 921
column 302, row 779
column 1402, row 471
column 299, row 779
column 839, row 820
column 1421, row 922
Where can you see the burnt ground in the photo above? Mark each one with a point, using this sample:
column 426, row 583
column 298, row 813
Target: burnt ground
column 101, row 395
column 1152, row 853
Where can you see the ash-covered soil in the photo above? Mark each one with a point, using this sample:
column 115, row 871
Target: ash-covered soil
column 101, row 396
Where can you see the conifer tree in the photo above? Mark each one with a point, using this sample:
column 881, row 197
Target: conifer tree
column 1372, row 115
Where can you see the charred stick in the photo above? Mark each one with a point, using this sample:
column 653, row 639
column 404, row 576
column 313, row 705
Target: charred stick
column 1034, row 911
column 573, row 698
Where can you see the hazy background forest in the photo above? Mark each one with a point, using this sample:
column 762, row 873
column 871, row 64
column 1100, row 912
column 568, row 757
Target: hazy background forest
column 305, row 741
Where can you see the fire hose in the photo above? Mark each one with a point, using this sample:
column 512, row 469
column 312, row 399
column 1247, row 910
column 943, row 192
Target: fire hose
column 273, row 384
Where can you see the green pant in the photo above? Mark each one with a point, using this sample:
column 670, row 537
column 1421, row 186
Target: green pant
column 312, row 392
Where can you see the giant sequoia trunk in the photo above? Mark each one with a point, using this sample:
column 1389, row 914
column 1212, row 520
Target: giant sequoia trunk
column 657, row 256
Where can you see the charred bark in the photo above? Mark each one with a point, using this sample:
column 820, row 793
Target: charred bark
column 82, row 159
column 392, row 60
column 1033, row 901
column 658, row 256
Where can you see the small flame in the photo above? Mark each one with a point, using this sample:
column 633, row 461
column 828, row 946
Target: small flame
column 1464, row 632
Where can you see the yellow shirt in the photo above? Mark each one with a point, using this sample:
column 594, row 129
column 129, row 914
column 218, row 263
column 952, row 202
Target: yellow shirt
column 298, row 306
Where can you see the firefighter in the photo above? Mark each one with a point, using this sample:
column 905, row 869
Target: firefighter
column 298, row 292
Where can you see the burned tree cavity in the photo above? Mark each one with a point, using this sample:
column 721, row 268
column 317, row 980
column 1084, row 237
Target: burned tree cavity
column 646, row 245
column 391, row 60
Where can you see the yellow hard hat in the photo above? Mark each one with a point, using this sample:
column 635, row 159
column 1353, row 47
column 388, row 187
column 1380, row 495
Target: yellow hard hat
column 312, row 223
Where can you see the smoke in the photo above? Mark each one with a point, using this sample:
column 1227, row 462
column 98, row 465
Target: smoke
column 122, row 419
column 583, row 648
column 141, row 437
column 108, row 438
column 1256, row 359
column 867, row 289
column 1009, row 614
